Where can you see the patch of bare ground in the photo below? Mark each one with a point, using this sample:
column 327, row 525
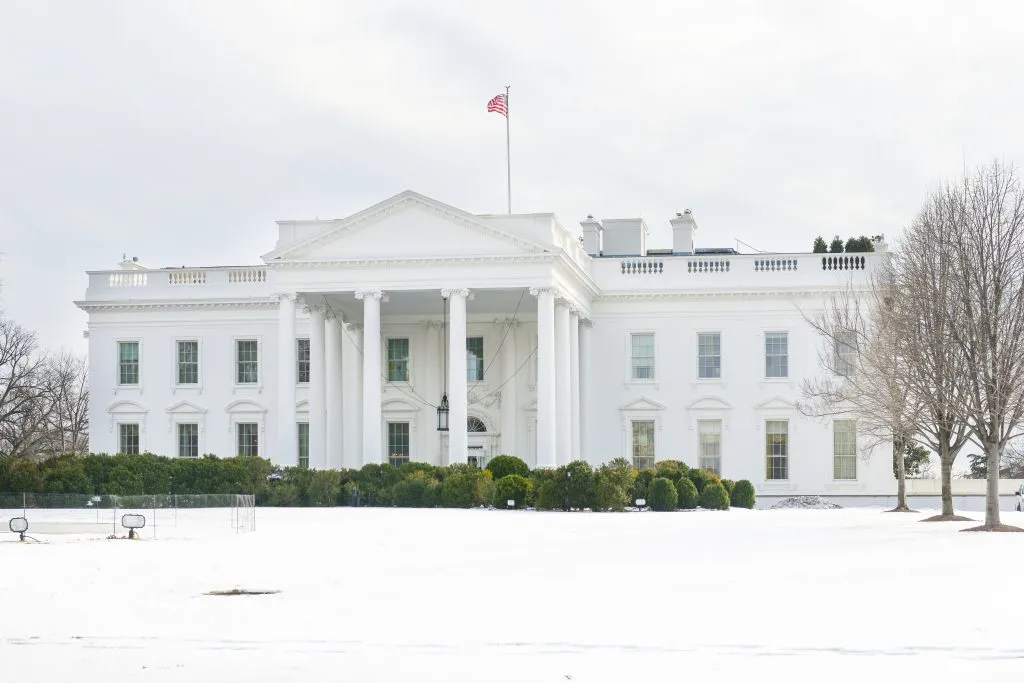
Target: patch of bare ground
column 899, row 509
column 1007, row 528
column 947, row 518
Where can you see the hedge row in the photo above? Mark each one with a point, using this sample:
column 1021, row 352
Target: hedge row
column 576, row 486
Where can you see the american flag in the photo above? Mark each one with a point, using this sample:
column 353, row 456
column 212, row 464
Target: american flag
column 499, row 105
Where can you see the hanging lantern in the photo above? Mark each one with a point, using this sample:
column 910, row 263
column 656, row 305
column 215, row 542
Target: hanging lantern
column 442, row 414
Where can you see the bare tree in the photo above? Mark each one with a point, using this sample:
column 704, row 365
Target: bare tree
column 22, row 389
column 923, row 275
column 863, row 371
column 987, row 247
column 66, row 428
column 44, row 400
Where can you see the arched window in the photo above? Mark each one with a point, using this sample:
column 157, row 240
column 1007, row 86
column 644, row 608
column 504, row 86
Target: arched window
column 475, row 425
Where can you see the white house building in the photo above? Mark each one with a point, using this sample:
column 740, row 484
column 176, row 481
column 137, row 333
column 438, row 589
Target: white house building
column 336, row 350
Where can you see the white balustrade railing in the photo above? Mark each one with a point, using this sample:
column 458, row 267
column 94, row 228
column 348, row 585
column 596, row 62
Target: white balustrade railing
column 247, row 275
column 186, row 277
column 127, row 278
column 708, row 265
column 643, row 266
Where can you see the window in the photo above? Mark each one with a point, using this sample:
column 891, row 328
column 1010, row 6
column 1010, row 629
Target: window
column 846, row 352
column 710, row 445
column 302, row 357
column 188, row 362
column 777, row 448
column 128, row 365
column 247, row 361
column 643, row 444
column 398, row 443
column 188, row 440
column 776, row 354
column 303, row 431
column 844, row 449
column 128, row 438
column 248, row 438
column 474, row 425
column 475, row 359
column 709, row 355
column 398, row 360
column 642, row 356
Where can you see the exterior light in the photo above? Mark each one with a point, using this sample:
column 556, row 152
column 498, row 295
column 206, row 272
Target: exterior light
column 442, row 414
column 131, row 522
column 18, row 525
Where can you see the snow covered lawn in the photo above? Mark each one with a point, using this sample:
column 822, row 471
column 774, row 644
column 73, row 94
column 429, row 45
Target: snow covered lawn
column 481, row 596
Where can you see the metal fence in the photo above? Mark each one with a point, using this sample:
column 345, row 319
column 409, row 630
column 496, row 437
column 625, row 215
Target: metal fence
column 70, row 511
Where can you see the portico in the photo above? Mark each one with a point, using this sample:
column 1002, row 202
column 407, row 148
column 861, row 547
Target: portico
column 492, row 352
column 412, row 300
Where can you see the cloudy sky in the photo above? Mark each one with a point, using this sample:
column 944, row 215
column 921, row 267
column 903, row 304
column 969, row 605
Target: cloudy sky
column 180, row 131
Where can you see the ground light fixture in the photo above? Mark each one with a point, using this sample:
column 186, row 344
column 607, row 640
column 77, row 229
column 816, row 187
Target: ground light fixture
column 18, row 525
column 133, row 521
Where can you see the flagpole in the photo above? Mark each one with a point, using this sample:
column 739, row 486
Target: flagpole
column 508, row 149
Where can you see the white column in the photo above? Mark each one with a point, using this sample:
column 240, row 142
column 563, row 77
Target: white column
column 546, row 443
column 563, row 409
column 458, row 387
column 574, row 382
column 434, row 386
column 333, row 341
column 373, row 450
column 352, row 401
column 584, row 387
column 509, row 394
column 317, row 389
column 287, row 435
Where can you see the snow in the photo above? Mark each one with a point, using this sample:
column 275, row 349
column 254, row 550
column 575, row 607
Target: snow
column 481, row 595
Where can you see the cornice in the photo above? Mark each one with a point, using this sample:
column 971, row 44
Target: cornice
column 712, row 294
column 313, row 264
column 215, row 304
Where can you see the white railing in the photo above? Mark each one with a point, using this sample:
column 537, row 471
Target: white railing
column 843, row 262
column 247, row 275
column 186, row 277
column 127, row 278
column 643, row 266
column 764, row 265
column 708, row 265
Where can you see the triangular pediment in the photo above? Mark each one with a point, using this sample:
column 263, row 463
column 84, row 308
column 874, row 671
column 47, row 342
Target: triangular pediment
column 642, row 403
column 710, row 403
column 775, row 403
column 185, row 408
column 408, row 225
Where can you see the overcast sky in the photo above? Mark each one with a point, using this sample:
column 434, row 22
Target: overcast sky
column 179, row 132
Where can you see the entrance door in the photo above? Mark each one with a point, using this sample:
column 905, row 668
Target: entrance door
column 477, row 457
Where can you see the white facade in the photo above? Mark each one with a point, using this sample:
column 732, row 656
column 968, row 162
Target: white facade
column 586, row 353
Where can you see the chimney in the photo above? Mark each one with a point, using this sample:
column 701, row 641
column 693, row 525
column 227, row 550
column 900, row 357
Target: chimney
column 592, row 231
column 684, row 229
column 624, row 237
column 880, row 243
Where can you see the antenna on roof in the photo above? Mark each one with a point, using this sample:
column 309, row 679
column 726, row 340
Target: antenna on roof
column 739, row 242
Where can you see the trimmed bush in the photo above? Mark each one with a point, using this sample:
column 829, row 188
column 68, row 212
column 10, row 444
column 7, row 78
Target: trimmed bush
column 641, row 485
column 417, row 491
column 511, row 487
column 714, row 496
column 700, row 478
column 549, row 495
column 663, row 496
column 688, row 496
column 503, row 465
column 742, row 495
column 614, row 483
column 577, row 481
column 465, row 489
